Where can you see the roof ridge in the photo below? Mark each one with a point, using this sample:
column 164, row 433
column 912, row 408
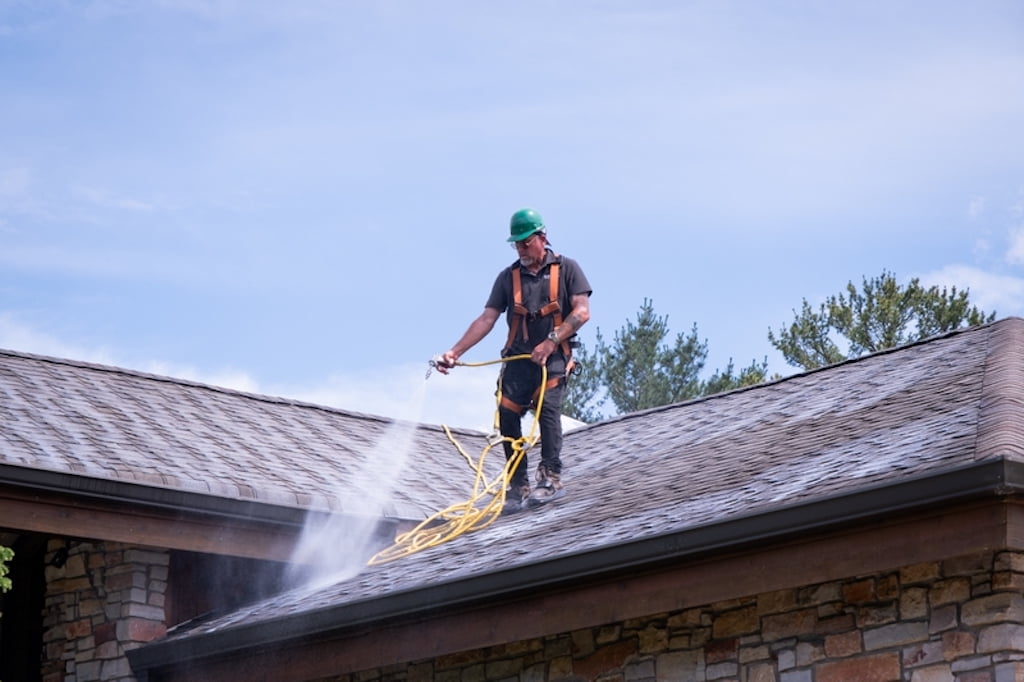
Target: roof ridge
column 1001, row 406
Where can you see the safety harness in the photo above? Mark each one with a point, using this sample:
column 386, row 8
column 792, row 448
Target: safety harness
column 520, row 317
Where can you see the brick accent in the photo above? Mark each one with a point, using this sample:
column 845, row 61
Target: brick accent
column 101, row 599
column 960, row 620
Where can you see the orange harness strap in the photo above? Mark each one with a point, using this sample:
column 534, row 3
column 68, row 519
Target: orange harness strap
column 520, row 313
column 520, row 409
column 557, row 310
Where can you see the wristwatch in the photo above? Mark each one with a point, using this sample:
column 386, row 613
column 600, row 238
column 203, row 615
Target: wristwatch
column 553, row 337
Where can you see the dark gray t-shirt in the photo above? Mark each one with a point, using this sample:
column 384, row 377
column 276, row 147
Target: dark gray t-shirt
column 536, row 289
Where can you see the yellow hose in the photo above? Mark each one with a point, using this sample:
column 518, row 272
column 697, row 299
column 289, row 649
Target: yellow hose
column 487, row 499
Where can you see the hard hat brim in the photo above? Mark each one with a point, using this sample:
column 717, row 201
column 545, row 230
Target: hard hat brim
column 524, row 234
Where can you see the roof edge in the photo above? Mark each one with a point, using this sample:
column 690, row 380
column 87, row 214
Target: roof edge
column 979, row 480
column 121, row 492
column 1001, row 409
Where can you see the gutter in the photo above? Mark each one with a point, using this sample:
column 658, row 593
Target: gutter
column 180, row 502
column 979, row 480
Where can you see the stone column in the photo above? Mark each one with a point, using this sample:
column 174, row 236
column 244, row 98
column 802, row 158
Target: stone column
column 101, row 600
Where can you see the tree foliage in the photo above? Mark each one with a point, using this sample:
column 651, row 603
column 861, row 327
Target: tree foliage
column 882, row 314
column 6, row 554
column 639, row 369
column 582, row 392
column 721, row 381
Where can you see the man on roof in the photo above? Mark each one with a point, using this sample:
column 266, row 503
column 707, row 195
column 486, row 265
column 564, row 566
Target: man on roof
column 547, row 299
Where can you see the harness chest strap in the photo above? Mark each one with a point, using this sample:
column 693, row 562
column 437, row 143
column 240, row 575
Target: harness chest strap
column 520, row 312
column 519, row 317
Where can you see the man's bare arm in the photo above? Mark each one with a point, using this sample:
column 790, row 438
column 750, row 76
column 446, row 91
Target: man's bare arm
column 576, row 319
column 478, row 329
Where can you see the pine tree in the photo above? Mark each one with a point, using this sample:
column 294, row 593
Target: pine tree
column 638, row 370
column 582, row 392
column 882, row 314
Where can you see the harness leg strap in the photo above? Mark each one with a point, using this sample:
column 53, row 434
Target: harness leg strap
column 508, row 404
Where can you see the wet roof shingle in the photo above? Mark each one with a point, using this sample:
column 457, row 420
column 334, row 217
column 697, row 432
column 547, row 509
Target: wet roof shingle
column 119, row 425
column 921, row 409
column 925, row 408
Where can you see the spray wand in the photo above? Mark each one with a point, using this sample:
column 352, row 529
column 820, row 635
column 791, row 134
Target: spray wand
column 434, row 363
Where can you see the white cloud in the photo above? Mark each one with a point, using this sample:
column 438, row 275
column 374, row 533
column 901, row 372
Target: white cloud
column 976, row 207
column 16, row 195
column 225, row 378
column 1003, row 294
column 14, row 182
column 1015, row 252
column 106, row 199
column 18, row 336
column 463, row 399
column 75, row 261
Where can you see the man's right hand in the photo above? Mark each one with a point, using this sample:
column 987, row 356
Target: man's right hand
column 446, row 361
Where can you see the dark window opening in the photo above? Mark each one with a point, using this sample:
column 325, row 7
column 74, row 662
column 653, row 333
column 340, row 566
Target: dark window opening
column 201, row 586
column 21, row 625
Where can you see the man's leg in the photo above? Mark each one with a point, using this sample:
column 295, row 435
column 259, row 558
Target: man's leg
column 551, row 430
column 549, row 472
column 516, row 387
column 511, row 426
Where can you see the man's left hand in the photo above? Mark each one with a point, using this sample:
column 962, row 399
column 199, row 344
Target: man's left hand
column 542, row 351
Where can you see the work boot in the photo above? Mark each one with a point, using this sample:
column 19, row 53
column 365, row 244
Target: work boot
column 515, row 497
column 549, row 487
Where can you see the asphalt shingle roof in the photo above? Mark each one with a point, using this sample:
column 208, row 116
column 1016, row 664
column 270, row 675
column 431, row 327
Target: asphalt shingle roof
column 118, row 425
column 922, row 409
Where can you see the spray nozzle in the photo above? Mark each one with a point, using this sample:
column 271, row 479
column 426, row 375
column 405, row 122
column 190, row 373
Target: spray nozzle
column 433, row 363
column 439, row 362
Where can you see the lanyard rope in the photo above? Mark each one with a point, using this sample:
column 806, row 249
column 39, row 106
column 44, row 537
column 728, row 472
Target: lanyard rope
column 487, row 497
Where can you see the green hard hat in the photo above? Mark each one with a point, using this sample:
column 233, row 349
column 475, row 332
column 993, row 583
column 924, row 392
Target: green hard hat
column 525, row 222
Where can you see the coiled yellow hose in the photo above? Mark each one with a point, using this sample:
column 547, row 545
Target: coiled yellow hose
column 487, row 499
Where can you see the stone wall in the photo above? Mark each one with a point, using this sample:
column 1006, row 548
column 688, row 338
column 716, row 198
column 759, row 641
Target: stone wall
column 955, row 621
column 101, row 599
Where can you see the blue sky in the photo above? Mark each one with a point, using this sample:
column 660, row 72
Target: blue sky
column 310, row 199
